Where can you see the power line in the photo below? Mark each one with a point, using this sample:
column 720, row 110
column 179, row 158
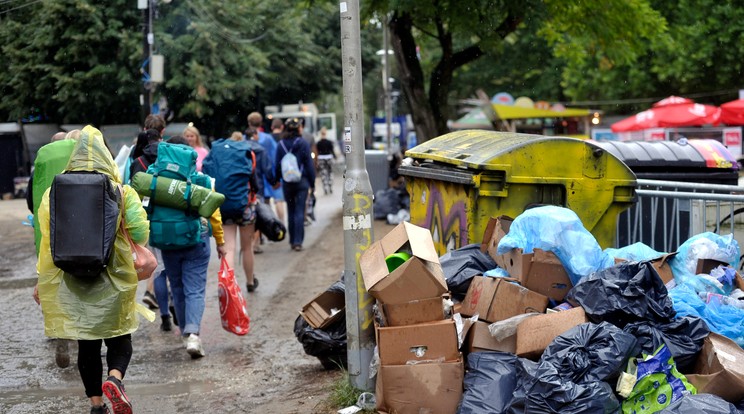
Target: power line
column 21, row 6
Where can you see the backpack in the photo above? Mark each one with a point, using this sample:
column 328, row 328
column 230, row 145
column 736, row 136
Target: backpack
column 83, row 218
column 291, row 171
column 232, row 164
column 171, row 228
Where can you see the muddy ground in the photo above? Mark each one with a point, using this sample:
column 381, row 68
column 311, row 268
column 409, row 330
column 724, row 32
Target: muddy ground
column 265, row 371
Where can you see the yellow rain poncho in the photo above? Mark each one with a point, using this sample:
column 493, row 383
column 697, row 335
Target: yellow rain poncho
column 105, row 307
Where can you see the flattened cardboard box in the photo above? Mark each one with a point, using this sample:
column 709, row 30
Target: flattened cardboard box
column 421, row 277
column 662, row 267
column 496, row 299
column 478, row 338
column 540, row 271
column 397, row 344
column 318, row 313
column 534, row 334
column 421, row 388
column 413, row 312
column 719, row 369
column 496, row 229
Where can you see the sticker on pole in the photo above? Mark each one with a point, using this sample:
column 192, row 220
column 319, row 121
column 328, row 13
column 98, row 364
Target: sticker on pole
column 347, row 134
column 347, row 149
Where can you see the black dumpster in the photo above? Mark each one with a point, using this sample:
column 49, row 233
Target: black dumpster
column 702, row 161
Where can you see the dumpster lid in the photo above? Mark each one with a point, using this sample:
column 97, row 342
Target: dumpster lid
column 476, row 148
column 695, row 153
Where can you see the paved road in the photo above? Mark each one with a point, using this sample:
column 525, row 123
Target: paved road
column 266, row 371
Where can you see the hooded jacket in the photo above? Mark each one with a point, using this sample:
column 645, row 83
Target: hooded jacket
column 104, row 307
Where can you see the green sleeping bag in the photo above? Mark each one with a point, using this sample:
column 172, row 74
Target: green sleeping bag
column 169, row 193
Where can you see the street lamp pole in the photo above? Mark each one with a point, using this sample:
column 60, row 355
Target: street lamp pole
column 357, row 204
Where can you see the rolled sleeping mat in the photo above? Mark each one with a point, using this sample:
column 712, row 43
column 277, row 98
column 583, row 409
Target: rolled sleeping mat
column 169, row 193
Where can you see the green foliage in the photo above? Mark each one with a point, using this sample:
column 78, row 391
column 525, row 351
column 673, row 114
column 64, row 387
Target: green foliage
column 71, row 61
column 344, row 394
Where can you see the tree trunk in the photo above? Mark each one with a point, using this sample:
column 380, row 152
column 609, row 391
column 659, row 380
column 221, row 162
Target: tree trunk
column 412, row 77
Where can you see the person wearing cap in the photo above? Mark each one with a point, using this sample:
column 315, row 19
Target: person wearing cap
column 295, row 194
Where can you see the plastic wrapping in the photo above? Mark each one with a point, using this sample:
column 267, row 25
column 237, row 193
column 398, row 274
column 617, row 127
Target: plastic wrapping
column 703, row 246
column 387, row 201
column 684, row 337
column 459, row 267
column 560, row 231
column 590, row 352
column 489, row 382
column 628, row 292
column 104, row 307
column 635, row 252
column 503, row 329
column 659, row 384
column 327, row 344
column 722, row 319
column 700, row 404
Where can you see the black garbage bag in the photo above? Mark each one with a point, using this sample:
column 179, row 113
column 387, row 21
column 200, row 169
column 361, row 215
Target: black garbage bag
column 700, row 404
column 541, row 389
column 629, row 292
column 489, row 383
column 684, row 337
column 590, row 352
column 386, row 202
column 268, row 224
column 327, row 344
column 459, row 267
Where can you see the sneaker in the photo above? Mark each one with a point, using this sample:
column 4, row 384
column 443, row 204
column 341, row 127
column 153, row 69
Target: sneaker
column 194, row 346
column 165, row 325
column 101, row 409
column 114, row 391
column 257, row 250
column 252, row 287
column 297, row 247
column 150, row 300
column 62, row 353
column 172, row 310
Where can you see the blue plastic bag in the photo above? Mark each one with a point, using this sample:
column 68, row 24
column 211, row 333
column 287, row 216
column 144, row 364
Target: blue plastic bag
column 703, row 246
column 635, row 252
column 560, row 231
column 722, row 319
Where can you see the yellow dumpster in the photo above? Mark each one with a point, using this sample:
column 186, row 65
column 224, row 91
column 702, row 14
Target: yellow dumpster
column 459, row 180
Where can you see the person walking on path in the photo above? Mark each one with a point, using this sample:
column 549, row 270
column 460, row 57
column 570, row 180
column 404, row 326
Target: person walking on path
column 193, row 137
column 295, row 192
column 277, row 193
column 326, row 156
column 97, row 309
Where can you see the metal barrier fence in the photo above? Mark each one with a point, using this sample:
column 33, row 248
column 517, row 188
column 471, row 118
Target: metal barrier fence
column 667, row 213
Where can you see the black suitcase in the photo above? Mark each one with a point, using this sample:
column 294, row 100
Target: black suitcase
column 83, row 212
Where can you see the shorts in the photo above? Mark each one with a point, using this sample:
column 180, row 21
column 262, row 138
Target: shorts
column 248, row 217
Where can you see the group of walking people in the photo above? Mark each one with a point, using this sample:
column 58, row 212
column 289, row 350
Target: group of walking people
column 103, row 309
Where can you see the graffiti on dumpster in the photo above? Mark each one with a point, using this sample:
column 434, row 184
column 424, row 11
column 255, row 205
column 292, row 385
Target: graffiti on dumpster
column 445, row 216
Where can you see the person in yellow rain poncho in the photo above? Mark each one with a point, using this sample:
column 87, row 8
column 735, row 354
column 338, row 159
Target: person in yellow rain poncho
column 103, row 308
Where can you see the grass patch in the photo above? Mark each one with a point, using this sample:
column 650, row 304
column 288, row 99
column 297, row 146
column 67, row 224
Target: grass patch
column 344, row 394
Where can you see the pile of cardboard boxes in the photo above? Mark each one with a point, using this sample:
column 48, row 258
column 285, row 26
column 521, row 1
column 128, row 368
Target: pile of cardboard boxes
column 421, row 359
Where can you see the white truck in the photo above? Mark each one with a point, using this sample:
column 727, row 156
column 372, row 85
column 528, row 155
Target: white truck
column 313, row 120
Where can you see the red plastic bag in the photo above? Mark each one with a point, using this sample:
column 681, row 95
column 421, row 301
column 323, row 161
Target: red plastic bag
column 233, row 309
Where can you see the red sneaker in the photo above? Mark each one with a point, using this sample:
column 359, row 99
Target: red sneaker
column 114, row 391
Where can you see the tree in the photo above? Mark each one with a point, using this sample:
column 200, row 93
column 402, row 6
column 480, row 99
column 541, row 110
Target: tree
column 71, row 61
column 464, row 32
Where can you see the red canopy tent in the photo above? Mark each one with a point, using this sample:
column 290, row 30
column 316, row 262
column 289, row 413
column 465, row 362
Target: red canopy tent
column 732, row 113
column 671, row 112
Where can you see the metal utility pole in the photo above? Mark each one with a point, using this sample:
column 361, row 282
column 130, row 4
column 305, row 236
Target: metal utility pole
column 357, row 204
column 146, row 7
column 386, row 87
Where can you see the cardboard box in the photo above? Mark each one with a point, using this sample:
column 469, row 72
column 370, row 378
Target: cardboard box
column 496, row 229
column 496, row 299
column 422, row 388
column 413, row 312
column 318, row 313
column 536, row 333
column 478, row 338
column 664, row 269
column 704, row 266
column 397, row 344
column 420, row 277
column 719, row 369
column 540, row 271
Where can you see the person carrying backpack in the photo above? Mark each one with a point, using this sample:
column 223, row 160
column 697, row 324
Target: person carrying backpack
column 93, row 300
column 237, row 166
column 294, row 165
column 183, row 238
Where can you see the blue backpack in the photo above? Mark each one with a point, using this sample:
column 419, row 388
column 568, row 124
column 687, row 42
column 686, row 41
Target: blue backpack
column 171, row 228
column 232, row 164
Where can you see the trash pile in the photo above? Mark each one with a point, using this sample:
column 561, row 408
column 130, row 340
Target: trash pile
column 538, row 318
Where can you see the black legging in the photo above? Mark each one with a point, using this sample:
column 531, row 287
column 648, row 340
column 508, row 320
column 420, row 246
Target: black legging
column 118, row 355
